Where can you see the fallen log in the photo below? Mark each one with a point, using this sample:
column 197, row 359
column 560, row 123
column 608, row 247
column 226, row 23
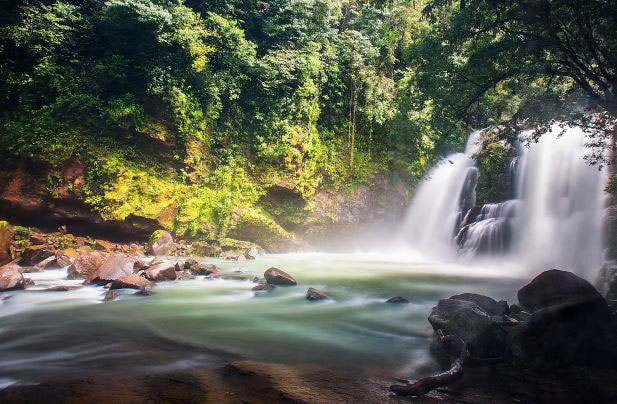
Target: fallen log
column 458, row 355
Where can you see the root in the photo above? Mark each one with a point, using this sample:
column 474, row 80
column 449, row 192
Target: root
column 459, row 354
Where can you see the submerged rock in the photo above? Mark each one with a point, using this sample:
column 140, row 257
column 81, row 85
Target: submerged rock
column 161, row 243
column 313, row 294
column 131, row 281
column 145, row 291
column 397, row 300
column 275, row 276
column 62, row 288
column 264, row 287
column 110, row 295
column 11, row 279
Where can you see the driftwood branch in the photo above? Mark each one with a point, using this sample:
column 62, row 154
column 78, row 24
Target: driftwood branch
column 458, row 354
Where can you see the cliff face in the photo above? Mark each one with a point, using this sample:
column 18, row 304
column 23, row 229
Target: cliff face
column 34, row 194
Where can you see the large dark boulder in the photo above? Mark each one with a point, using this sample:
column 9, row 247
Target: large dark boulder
column 275, row 276
column 161, row 243
column 11, row 279
column 568, row 325
column 472, row 324
column 164, row 271
column 554, row 287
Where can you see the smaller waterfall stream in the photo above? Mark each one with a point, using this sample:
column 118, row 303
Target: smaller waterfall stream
column 554, row 219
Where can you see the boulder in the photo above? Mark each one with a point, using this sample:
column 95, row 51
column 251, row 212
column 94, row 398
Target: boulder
column 35, row 254
column 136, row 250
column 6, row 236
column 131, row 281
column 161, row 243
column 114, row 266
column 164, row 271
column 397, row 300
column 569, row 324
column 314, row 295
column 275, row 276
column 11, row 279
column 184, row 275
column 555, row 287
column 86, row 265
column 489, row 305
column 47, row 263
column 99, row 267
column 38, row 238
column 197, row 268
column 472, row 324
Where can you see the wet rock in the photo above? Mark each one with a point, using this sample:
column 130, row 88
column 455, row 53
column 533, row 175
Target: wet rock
column 235, row 257
column 145, row 291
column 554, row 287
column 313, row 295
column 161, row 243
column 260, row 281
column 104, row 245
column 47, row 263
column 489, row 305
column 35, row 254
column 29, row 282
column 184, row 275
column 131, row 281
column 197, row 268
column 62, row 288
column 136, row 250
column 569, row 324
column 275, row 276
column 472, row 324
column 62, row 229
column 11, row 279
column 165, row 271
column 6, row 235
column 86, row 265
column 397, row 299
column 110, row 295
column 113, row 267
column 264, row 288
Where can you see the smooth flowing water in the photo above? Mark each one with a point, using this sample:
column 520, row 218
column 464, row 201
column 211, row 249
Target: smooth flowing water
column 203, row 322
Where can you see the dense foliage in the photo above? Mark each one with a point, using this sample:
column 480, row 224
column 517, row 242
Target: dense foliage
column 190, row 111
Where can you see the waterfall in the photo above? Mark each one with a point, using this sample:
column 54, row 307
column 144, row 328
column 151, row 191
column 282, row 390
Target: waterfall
column 436, row 207
column 553, row 220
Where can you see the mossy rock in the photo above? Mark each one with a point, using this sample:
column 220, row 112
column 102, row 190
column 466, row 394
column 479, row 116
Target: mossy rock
column 255, row 226
column 6, row 236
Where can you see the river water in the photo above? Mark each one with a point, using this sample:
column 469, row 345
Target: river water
column 204, row 322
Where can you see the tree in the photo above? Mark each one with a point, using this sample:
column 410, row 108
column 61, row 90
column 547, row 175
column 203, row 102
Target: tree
column 556, row 58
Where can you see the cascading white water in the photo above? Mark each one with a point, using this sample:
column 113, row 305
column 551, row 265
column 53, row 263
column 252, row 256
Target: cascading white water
column 555, row 219
column 560, row 220
column 435, row 208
